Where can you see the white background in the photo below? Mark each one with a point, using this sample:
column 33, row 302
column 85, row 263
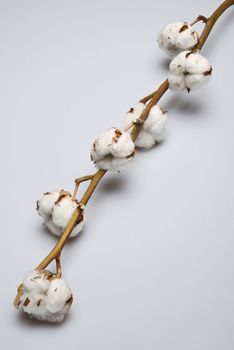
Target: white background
column 154, row 267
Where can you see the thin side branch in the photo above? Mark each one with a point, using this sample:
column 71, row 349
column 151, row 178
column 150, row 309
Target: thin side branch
column 58, row 267
column 198, row 19
column 148, row 97
column 78, row 181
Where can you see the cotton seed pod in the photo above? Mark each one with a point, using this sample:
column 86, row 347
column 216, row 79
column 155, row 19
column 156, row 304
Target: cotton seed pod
column 62, row 213
column 34, row 306
column 134, row 113
column 176, row 37
column 46, row 203
column 153, row 129
column 50, row 304
column 52, row 228
column 112, row 149
column 57, row 213
column 189, row 71
column 111, row 163
column 58, row 295
column 36, row 281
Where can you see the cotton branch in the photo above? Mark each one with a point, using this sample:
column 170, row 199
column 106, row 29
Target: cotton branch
column 150, row 100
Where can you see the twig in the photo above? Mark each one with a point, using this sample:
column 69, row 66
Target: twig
column 198, row 19
column 147, row 98
column 58, row 266
column 78, row 181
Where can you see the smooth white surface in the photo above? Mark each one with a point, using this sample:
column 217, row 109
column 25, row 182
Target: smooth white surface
column 154, row 267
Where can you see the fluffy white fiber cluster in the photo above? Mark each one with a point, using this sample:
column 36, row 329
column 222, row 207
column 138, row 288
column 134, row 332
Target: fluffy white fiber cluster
column 45, row 297
column 56, row 208
column 189, row 71
column 176, row 37
column 153, row 129
column 112, row 149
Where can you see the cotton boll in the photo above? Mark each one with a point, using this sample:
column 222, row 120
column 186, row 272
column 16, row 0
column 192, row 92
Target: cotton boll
column 57, row 231
column 153, row 127
column 133, row 114
column 144, row 140
column 34, row 306
column 123, row 146
column 46, row 203
column 63, row 211
column 105, row 163
column 118, row 163
column 50, row 304
column 197, row 64
column 59, row 296
column 80, row 226
column 37, row 308
column 34, row 289
column 156, row 122
column 102, row 145
column 176, row 37
column 29, row 301
column 167, row 37
column 115, row 144
column 189, row 70
column 138, row 109
column 178, row 64
column 55, row 317
column 195, row 81
column 158, row 128
column 36, row 281
column 59, row 300
column 176, row 82
column 187, row 38
column 111, row 163
column 61, row 215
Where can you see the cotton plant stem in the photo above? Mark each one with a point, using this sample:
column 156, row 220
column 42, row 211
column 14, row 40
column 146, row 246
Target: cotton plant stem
column 211, row 22
column 96, row 178
column 95, row 181
column 152, row 99
column 144, row 115
column 62, row 240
